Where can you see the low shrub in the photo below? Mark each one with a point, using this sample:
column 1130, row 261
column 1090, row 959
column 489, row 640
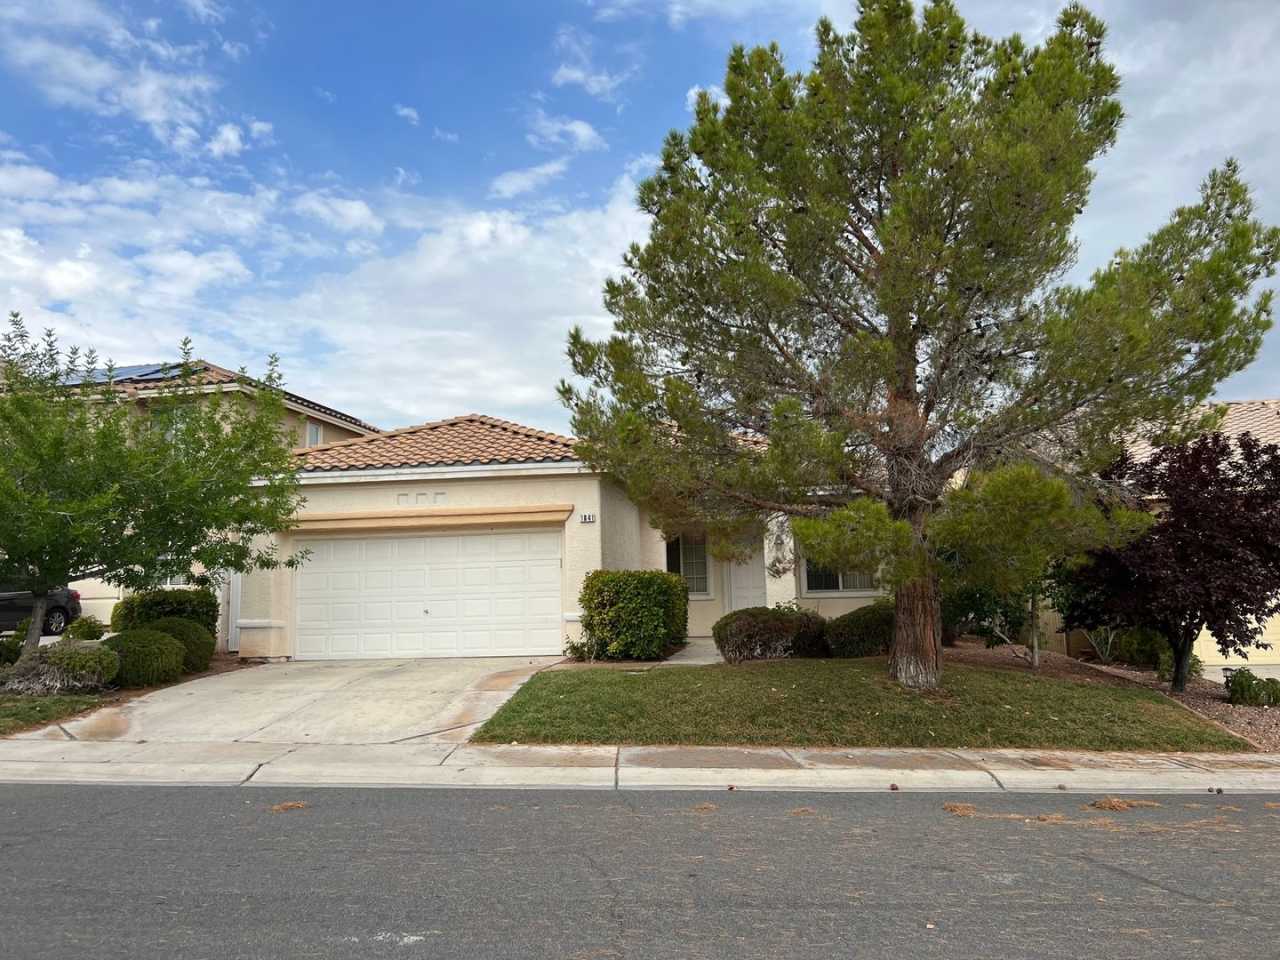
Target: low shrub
column 195, row 639
column 10, row 649
column 87, row 629
column 1139, row 647
column 20, row 631
column 1164, row 666
column 147, row 657
column 631, row 615
column 1247, row 689
column 770, row 633
column 865, row 632
column 61, row 668
column 189, row 603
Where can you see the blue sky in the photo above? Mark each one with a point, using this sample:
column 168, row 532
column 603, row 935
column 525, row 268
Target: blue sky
column 412, row 202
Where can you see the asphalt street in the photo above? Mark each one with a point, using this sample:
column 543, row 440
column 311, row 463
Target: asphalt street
column 193, row 872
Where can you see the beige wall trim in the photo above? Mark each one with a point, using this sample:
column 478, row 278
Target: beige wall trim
column 260, row 624
column 428, row 518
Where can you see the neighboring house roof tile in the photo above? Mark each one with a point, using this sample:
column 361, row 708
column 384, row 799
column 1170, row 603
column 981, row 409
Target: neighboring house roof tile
column 144, row 375
column 460, row 441
column 1258, row 417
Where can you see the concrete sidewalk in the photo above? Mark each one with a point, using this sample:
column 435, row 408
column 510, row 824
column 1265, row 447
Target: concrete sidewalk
column 439, row 764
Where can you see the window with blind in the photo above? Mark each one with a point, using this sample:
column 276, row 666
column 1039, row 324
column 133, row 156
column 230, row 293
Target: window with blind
column 687, row 556
column 821, row 580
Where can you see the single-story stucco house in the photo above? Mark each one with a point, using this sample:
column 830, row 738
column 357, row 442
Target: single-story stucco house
column 471, row 537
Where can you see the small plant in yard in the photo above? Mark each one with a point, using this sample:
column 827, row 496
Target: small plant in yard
column 1246, row 689
column 63, row 667
column 85, row 629
column 197, row 642
column 10, row 649
column 147, row 657
column 1165, row 666
column 631, row 615
column 865, row 632
column 769, row 633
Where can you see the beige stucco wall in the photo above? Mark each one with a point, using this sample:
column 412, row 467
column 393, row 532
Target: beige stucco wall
column 329, row 432
column 1207, row 649
column 97, row 598
column 266, row 603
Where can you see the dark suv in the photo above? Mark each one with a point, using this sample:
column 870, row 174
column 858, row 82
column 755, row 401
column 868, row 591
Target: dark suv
column 15, row 605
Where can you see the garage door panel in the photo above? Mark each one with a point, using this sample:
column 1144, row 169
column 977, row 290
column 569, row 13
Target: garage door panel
column 346, row 551
column 458, row 595
column 379, row 580
column 411, row 578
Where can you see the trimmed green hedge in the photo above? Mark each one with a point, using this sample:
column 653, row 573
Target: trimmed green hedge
column 631, row 615
column 189, row 603
column 865, row 632
column 147, row 657
column 195, row 639
column 85, row 629
column 769, row 633
column 60, row 668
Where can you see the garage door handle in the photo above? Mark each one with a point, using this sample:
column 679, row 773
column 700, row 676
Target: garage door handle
column 426, row 611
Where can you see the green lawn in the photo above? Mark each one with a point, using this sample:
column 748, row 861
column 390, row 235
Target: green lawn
column 19, row 712
column 845, row 703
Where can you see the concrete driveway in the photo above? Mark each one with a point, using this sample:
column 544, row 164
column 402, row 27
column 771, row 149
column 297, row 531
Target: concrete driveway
column 344, row 702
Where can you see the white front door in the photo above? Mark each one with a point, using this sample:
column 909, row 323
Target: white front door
column 463, row 595
column 746, row 583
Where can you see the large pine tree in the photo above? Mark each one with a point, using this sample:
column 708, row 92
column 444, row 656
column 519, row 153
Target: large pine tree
column 863, row 266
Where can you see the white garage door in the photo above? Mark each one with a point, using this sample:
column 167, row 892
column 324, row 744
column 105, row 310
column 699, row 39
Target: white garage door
column 467, row 595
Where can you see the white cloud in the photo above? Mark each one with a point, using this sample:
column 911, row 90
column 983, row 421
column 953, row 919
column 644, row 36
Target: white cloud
column 205, row 11
column 328, row 96
column 235, row 50
column 227, row 142
column 578, row 68
column 339, row 213
column 714, row 91
column 438, row 299
column 26, row 181
column 180, row 274
column 548, row 132
column 446, row 136
column 513, row 183
column 166, row 101
column 406, row 113
column 261, row 130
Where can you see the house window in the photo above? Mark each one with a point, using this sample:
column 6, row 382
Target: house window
column 687, row 556
column 821, row 580
column 313, row 434
column 176, row 580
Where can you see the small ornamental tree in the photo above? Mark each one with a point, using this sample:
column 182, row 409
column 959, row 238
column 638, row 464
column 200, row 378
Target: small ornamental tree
column 95, row 483
column 1210, row 561
column 1005, row 530
column 852, row 294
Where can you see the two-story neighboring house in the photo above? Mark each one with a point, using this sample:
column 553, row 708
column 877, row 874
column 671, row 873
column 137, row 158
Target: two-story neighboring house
column 311, row 422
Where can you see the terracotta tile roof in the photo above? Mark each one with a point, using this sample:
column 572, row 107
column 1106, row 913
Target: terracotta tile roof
column 1258, row 417
column 460, row 441
column 149, row 375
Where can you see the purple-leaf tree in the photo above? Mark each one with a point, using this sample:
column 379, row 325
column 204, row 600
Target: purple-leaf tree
column 1211, row 561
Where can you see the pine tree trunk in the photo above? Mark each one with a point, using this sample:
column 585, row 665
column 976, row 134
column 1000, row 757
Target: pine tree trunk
column 915, row 657
column 36, row 629
column 1035, row 631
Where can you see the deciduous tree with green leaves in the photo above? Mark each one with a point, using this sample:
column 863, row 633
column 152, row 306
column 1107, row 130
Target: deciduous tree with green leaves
column 1004, row 531
column 96, row 483
column 853, row 291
